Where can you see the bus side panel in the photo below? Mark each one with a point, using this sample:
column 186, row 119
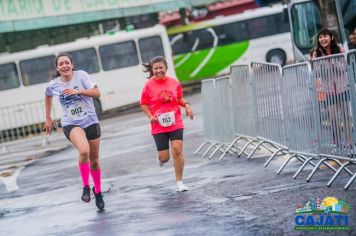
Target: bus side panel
column 120, row 87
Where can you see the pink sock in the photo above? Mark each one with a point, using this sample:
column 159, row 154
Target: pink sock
column 96, row 176
column 84, row 172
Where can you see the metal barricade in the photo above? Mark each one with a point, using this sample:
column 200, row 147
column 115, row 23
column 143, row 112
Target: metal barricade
column 308, row 113
column 208, row 104
column 217, row 116
column 334, row 108
column 224, row 115
column 351, row 70
column 243, row 101
column 334, row 113
column 243, row 112
column 23, row 121
column 266, row 82
column 300, row 109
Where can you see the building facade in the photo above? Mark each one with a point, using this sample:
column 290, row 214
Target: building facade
column 26, row 24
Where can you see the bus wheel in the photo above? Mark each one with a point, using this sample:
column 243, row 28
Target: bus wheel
column 97, row 106
column 276, row 56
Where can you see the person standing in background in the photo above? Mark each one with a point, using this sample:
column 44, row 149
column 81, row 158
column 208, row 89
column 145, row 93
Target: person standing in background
column 335, row 92
column 326, row 44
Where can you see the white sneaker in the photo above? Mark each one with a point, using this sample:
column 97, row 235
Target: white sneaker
column 181, row 187
column 160, row 163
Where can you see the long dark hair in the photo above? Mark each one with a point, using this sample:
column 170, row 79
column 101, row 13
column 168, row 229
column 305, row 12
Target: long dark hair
column 320, row 51
column 62, row 54
column 148, row 67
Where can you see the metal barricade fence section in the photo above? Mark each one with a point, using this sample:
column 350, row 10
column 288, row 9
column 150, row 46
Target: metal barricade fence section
column 208, row 96
column 334, row 105
column 308, row 111
column 351, row 68
column 267, row 80
column 224, row 111
column 298, row 93
column 218, row 115
column 243, row 101
column 24, row 120
column 209, row 123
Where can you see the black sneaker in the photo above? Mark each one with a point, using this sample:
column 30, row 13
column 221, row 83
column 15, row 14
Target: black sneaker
column 99, row 201
column 86, row 194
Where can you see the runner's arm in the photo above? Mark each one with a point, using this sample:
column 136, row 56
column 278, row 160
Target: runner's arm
column 49, row 122
column 188, row 109
column 94, row 92
column 146, row 109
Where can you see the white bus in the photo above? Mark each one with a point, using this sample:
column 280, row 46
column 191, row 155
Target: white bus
column 208, row 48
column 114, row 61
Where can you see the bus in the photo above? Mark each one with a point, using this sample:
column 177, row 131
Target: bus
column 209, row 48
column 114, row 61
column 305, row 21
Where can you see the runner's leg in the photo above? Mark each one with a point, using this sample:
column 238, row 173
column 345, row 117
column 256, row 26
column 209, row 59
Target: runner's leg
column 177, row 154
column 94, row 163
column 78, row 139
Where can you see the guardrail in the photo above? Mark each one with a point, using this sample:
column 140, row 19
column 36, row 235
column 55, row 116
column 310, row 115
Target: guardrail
column 303, row 111
column 24, row 120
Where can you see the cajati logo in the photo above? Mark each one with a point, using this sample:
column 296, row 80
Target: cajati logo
column 329, row 213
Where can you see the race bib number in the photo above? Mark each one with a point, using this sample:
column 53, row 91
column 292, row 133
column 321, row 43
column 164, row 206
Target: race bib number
column 166, row 119
column 77, row 111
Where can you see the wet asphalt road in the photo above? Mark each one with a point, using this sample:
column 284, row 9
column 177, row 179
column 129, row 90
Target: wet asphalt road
column 234, row 196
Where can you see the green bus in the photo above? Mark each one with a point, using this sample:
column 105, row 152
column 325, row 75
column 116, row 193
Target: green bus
column 206, row 49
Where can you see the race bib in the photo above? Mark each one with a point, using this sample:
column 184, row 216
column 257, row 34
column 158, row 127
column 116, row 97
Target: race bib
column 77, row 111
column 166, row 119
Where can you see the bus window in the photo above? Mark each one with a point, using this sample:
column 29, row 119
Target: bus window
column 118, row 55
column 261, row 27
column 231, row 33
column 37, row 70
column 150, row 47
column 306, row 24
column 179, row 44
column 282, row 23
column 85, row 59
column 200, row 39
column 8, row 76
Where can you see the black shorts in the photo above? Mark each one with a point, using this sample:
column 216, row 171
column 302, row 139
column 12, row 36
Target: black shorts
column 91, row 132
column 162, row 139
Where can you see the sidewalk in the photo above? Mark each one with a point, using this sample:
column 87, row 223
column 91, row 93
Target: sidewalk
column 16, row 155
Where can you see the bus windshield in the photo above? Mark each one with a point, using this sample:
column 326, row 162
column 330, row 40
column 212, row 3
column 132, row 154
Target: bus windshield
column 348, row 12
column 306, row 22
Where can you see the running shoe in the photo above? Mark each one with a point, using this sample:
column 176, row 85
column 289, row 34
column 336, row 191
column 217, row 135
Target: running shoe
column 86, row 194
column 99, row 201
column 181, row 187
column 160, row 163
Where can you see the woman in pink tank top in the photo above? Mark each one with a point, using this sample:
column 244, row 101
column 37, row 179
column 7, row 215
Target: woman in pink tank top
column 161, row 99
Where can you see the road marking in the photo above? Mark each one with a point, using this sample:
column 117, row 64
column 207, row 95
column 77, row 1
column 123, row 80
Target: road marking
column 11, row 181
